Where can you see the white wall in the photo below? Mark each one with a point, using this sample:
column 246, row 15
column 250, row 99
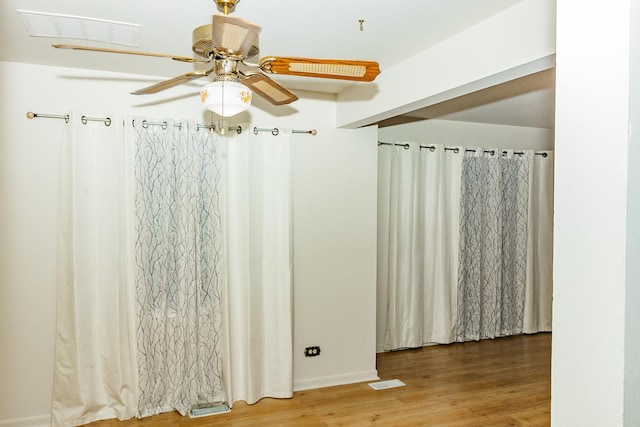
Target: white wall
column 632, row 332
column 335, row 258
column 594, row 283
column 334, row 265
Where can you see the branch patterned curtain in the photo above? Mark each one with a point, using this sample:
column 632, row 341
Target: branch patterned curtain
column 179, row 262
column 464, row 244
column 493, row 244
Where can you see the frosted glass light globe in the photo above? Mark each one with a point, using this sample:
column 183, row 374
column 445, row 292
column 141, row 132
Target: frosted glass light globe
column 226, row 98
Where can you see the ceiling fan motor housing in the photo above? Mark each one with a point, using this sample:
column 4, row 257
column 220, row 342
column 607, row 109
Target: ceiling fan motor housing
column 202, row 45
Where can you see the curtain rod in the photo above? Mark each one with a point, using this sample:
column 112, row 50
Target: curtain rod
column 276, row 131
column 107, row 121
column 455, row 149
column 145, row 123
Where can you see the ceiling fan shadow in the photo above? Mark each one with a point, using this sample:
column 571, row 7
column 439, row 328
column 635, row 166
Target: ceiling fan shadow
column 141, row 81
column 107, row 79
column 274, row 110
column 194, row 95
column 365, row 92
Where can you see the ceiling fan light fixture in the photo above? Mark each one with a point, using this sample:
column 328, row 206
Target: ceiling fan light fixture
column 225, row 98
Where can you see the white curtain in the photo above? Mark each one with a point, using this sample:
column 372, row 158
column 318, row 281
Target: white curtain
column 422, row 258
column 180, row 264
column 537, row 305
column 493, row 244
column 95, row 372
column 258, row 229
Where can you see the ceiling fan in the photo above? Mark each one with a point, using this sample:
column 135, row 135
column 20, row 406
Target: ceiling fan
column 226, row 44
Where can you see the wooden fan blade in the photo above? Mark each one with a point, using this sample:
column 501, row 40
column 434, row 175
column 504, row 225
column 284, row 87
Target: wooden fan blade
column 128, row 52
column 269, row 89
column 234, row 36
column 166, row 84
column 362, row 71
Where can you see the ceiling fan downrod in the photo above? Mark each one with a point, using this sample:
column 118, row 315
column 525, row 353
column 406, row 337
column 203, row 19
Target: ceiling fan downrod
column 226, row 6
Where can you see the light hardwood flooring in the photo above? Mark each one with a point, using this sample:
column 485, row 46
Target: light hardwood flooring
column 501, row 382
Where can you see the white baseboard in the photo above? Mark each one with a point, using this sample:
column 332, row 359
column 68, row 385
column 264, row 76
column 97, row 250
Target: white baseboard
column 39, row 421
column 333, row 380
column 298, row 385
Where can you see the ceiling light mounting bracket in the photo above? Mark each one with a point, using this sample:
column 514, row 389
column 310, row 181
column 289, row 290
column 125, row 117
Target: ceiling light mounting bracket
column 227, row 6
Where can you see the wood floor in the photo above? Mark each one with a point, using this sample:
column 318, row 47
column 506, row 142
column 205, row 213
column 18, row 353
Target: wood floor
column 491, row 383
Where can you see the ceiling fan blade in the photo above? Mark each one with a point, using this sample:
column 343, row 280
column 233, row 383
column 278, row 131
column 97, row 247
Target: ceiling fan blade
column 269, row 89
column 128, row 52
column 166, row 84
column 235, row 36
column 362, row 71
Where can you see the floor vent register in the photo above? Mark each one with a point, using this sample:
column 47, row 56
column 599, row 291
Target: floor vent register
column 383, row 385
column 207, row 409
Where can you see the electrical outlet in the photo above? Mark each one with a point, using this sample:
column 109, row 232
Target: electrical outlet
column 312, row 351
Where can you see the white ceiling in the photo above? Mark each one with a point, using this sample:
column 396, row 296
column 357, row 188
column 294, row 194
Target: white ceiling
column 321, row 28
column 528, row 101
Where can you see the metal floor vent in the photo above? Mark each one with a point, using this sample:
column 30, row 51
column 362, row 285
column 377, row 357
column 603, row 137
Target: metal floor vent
column 383, row 385
column 207, row 409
